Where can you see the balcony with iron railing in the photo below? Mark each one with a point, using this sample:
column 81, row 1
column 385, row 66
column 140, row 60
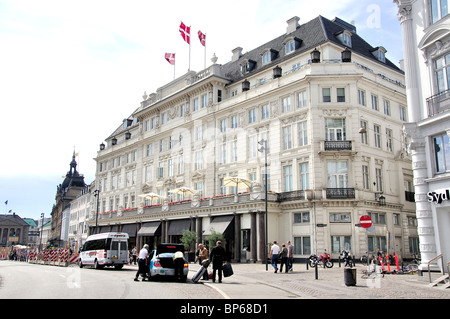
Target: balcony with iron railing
column 340, row 193
column 438, row 103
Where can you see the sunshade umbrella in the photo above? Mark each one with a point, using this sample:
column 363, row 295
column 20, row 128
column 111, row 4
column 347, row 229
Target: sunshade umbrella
column 237, row 181
column 151, row 196
column 183, row 191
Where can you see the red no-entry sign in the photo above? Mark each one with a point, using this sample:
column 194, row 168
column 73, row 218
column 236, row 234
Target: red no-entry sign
column 365, row 221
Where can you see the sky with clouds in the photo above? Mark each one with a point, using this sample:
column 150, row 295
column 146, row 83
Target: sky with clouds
column 70, row 72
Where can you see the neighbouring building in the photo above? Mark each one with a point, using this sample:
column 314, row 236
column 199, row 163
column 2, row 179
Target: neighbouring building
column 13, row 230
column 72, row 185
column 80, row 210
column 324, row 105
column 426, row 43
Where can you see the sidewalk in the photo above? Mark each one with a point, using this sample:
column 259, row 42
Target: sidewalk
column 252, row 281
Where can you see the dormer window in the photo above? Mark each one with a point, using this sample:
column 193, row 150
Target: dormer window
column 345, row 37
column 247, row 66
column 268, row 56
column 380, row 54
column 291, row 44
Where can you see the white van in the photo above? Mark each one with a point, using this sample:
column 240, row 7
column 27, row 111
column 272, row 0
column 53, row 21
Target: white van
column 106, row 249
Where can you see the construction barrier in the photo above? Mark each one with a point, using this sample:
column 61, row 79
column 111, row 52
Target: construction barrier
column 54, row 257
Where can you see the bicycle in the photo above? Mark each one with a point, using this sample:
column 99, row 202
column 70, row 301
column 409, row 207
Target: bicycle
column 372, row 272
column 410, row 269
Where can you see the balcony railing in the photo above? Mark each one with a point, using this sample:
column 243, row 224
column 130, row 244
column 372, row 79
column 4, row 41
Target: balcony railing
column 338, row 145
column 438, row 103
column 340, row 193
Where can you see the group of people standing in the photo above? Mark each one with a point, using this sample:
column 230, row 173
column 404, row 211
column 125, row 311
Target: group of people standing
column 285, row 255
column 217, row 257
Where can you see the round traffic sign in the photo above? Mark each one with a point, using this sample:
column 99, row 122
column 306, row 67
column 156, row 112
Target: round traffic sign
column 365, row 221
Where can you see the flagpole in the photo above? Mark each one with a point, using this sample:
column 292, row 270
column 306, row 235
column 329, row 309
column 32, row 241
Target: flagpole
column 205, row 52
column 189, row 50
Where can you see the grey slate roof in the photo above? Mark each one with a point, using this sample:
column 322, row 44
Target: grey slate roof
column 313, row 34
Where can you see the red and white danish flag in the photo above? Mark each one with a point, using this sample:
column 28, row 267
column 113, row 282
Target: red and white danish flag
column 170, row 57
column 185, row 32
column 202, row 38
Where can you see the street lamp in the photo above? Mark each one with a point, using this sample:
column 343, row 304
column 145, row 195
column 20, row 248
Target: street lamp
column 96, row 194
column 42, row 230
column 263, row 148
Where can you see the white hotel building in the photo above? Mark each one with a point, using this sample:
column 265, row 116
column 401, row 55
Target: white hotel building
column 331, row 108
column 426, row 45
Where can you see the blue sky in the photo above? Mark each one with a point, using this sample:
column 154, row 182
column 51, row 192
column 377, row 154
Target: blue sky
column 72, row 71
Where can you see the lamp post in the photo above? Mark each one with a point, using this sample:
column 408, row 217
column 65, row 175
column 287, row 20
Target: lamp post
column 97, row 195
column 263, row 148
column 42, row 230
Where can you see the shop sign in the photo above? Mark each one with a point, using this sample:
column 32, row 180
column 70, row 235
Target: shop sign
column 439, row 196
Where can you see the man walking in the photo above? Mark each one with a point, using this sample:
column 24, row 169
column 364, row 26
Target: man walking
column 202, row 255
column 142, row 263
column 290, row 255
column 274, row 254
column 217, row 257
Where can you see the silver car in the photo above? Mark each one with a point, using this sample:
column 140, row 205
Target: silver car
column 161, row 261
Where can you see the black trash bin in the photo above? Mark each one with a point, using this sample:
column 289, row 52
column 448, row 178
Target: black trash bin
column 350, row 276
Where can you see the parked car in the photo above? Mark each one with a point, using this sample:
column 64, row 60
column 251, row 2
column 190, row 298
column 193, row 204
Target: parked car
column 161, row 261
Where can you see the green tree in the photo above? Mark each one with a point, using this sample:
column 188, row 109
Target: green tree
column 214, row 237
column 188, row 240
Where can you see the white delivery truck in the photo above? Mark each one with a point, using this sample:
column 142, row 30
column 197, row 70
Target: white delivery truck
column 106, row 249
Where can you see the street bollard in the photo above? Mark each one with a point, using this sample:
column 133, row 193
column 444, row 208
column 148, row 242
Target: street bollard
column 316, row 271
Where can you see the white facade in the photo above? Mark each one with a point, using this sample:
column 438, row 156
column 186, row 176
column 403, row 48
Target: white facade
column 80, row 210
column 426, row 41
column 324, row 171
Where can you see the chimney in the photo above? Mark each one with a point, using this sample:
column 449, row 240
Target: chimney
column 292, row 24
column 237, row 53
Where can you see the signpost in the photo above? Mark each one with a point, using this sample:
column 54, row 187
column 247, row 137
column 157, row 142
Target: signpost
column 365, row 221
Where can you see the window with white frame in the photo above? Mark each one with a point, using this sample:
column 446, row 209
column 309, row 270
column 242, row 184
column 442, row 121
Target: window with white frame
column 302, row 99
column 223, row 125
column 335, row 129
column 289, row 47
column 302, row 133
column 365, row 176
column 287, row 137
column 377, row 135
column 198, row 160
column 223, row 153
column 287, row 178
column 362, row 97
column 196, row 104
column 302, row 218
column 337, row 174
column 340, row 94
column 364, row 139
column 326, row 95
column 339, row 243
column 265, row 111
column 304, row 176
column 375, row 103
column 286, row 104
column 386, row 107
column 302, row 245
column 441, row 153
column 234, row 121
column 234, row 151
column 252, row 146
column 204, row 100
column 252, row 116
column 439, row 9
column 389, row 145
column 379, row 179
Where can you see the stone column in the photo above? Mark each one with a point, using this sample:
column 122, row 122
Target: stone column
column 237, row 237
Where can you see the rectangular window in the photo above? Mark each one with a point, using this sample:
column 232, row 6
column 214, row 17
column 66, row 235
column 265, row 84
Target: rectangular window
column 304, row 176
column 326, row 95
column 340, row 218
column 198, row 160
column 441, row 151
column 340, row 94
column 196, row 104
column 439, row 9
column 337, row 174
column 361, row 97
column 204, row 101
column 234, row 121
column 377, row 135
column 287, row 177
column 265, row 114
column 302, row 246
column 287, row 137
column 335, row 129
column 387, row 107
column 252, row 116
column 442, row 67
column 365, row 175
column 223, row 125
column 379, row 179
column 375, row 103
column 286, row 104
column 302, row 99
column 389, row 140
column 289, row 47
column 252, row 146
column 402, row 111
column 301, row 218
column 340, row 243
column 302, row 133
column 364, row 139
